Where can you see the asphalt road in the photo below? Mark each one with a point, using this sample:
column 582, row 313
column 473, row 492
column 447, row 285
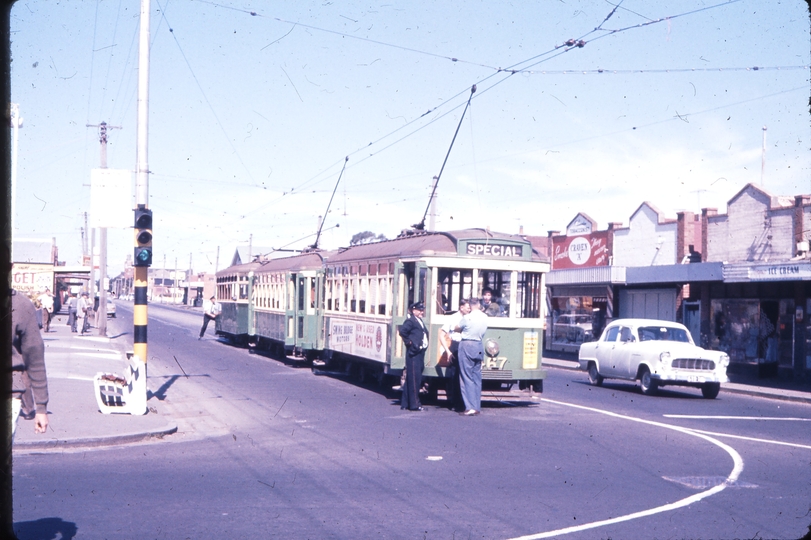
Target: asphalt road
column 269, row 449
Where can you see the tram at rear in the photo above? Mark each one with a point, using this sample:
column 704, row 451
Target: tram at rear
column 234, row 292
column 368, row 288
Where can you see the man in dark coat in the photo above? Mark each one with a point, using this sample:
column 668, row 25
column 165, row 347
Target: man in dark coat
column 415, row 338
column 29, row 381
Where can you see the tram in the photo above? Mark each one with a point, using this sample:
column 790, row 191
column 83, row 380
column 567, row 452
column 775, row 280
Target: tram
column 343, row 308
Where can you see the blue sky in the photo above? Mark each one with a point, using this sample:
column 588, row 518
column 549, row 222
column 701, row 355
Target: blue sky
column 253, row 114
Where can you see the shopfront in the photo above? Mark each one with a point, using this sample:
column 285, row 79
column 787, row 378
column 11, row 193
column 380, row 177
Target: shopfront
column 759, row 315
column 581, row 304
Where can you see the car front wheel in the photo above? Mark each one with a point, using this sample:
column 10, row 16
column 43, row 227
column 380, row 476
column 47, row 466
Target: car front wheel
column 649, row 384
column 594, row 376
column 710, row 390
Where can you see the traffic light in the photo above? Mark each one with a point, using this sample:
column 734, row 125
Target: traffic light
column 143, row 237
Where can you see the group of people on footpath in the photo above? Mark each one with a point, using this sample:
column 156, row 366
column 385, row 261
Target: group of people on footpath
column 466, row 331
column 79, row 307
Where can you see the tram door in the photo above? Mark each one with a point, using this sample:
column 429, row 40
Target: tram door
column 411, row 282
column 291, row 311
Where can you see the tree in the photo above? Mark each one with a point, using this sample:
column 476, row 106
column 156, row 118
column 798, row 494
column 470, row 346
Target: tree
column 366, row 237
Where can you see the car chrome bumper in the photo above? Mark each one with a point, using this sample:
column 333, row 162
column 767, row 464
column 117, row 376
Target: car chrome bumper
column 690, row 377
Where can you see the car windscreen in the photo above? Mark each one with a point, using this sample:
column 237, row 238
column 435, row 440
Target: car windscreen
column 663, row 333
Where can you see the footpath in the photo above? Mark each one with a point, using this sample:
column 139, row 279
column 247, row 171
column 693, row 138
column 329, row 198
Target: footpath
column 74, row 419
column 76, row 422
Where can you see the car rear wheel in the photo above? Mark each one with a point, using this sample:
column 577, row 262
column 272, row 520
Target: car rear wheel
column 649, row 384
column 594, row 376
column 710, row 390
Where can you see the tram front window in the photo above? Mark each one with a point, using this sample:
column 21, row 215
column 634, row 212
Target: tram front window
column 493, row 288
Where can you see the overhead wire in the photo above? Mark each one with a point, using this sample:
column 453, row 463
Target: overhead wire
column 519, row 67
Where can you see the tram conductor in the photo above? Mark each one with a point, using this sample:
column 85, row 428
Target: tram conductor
column 415, row 337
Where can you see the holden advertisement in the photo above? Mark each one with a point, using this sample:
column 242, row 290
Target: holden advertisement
column 580, row 251
column 359, row 338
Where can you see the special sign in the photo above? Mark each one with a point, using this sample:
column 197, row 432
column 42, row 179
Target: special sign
column 359, row 338
column 497, row 251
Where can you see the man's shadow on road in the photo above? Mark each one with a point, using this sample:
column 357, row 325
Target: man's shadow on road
column 45, row 529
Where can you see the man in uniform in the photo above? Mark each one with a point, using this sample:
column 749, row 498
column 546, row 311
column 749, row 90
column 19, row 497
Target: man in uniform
column 415, row 338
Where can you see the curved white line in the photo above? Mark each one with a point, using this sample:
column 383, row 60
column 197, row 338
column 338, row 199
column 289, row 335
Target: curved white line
column 700, row 417
column 752, row 439
column 737, row 469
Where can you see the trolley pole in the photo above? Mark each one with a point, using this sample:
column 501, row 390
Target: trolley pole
column 143, row 217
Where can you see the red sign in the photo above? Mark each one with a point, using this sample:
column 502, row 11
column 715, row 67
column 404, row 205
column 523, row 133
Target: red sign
column 580, row 251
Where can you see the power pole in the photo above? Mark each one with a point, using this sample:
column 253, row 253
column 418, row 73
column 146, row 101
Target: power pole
column 217, row 261
column 763, row 157
column 139, row 313
column 101, row 315
column 250, row 248
column 432, row 215
column 174, row 284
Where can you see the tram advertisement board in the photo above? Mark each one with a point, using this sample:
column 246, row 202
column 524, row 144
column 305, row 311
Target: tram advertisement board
column 359, row 338
column 32, row 279
column 580, row 251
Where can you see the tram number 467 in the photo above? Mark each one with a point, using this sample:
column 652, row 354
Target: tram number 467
column 494, row 363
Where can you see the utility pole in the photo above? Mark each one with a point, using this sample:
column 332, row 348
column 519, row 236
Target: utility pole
column 16, row 123
column 217, row 260
column 139, row 313
column 101, row 316
column 763, row 157
column 84, row 239
column 432, row 215
column 174, row 284
column 250, row 248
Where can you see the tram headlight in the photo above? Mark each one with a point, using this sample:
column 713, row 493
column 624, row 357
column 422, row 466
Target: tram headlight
column 491, row 347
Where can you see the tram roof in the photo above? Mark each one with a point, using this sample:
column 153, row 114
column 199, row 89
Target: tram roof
column 313, row 260
column 239, row 269
column 424, row 243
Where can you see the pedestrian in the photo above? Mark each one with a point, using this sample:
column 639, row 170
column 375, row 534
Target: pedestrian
column 82, row 307
column 46, row 300
column 449, row 340
column 29, row 380
column 489, row 306
column 72, row 312
column 415, row 338
column 211, row 310
column 471, row 353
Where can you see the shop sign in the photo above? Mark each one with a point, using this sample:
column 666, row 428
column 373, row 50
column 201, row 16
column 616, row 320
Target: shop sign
column 495, row 251
column 32, row 279
column 580, row 251
column 359, row 338
column 579, row 226
column 783, row 271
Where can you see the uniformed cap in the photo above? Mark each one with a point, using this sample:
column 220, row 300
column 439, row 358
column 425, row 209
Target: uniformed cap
column 418, row 305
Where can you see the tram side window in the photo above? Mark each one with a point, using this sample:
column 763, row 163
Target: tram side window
column 453, row 285
column 528, row 295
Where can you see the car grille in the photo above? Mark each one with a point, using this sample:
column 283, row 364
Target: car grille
column 502, row 375
column 693, row 363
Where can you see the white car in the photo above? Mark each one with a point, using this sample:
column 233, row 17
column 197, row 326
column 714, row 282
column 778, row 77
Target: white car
column 110, row 308
column 657, row 353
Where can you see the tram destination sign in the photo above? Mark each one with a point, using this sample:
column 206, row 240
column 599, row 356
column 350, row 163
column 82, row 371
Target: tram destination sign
column 494, row 250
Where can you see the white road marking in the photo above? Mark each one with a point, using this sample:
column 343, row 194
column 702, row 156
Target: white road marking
column 752, row 439
column 700, row 417
column 737, row 469
column 434, row 458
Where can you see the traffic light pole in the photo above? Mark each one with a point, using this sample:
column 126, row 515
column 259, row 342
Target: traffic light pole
column 139, row 315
